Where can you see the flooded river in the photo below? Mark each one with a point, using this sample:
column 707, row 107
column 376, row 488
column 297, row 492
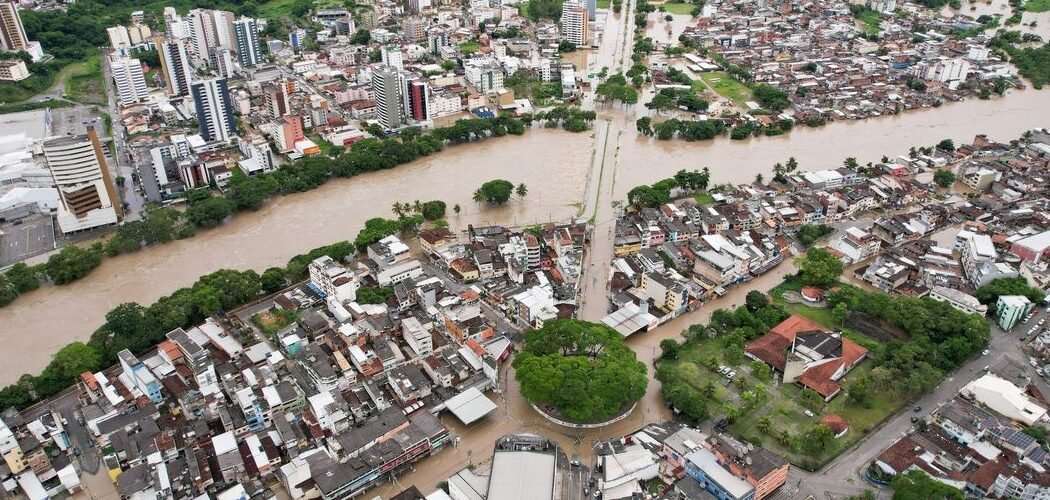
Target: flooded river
column 554, row 165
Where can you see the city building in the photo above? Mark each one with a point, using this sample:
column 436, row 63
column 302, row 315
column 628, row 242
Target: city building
column 1010, row 309
column 703, row 466
column 574, row 23
column 175, row 63
column 211, row 98
column 246, row 32
column 13, row 70
column 85, row 185
column 12, row 33
column 386, row 86
column 129, row 80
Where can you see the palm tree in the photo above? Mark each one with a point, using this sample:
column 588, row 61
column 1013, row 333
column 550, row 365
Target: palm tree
column 522, row 190
column 456, row 209
column 398, row 209
column 758, row 178
column 792, row 164
column 417, row 206
column 479, row 197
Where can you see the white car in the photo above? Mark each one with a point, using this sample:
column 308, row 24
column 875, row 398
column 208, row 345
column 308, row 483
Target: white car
column 808, row 413
column 985, row 353
column 731, row 374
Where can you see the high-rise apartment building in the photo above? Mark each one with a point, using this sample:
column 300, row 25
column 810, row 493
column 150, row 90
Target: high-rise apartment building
column 129, row 79
column 85, row 187
column 392, row 56
column 386, row 87
column 12, row 33
column 214, row 110
column 246, row 32
column 574, row 23
column 417, row 99
column 175, row 63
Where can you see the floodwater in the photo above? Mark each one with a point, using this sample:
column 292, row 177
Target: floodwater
column 514, row 415
column 551, row 163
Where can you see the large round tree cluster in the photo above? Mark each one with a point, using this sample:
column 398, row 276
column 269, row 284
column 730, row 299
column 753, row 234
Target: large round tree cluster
column 581, row 369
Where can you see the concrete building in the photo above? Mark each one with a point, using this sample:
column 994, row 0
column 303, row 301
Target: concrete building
column 1010, row 309
column 139, row 376
column 175, row 63
column 703, row 466
column 119, row 39
column 246, row 33
column 960, row 300
column 211, row 97
column 1004, row 398
column 13, row 70
column 392, row 56
column 386, row 86
column 85, row 186
column 574, row 23
column 129, row 80
column 417, row 99
column 12, row 33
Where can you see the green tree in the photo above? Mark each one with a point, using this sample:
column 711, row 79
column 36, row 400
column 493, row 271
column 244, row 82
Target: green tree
column 669, row 349
column 810, row 233
column 916, row 485
column 23, row 278
column 756, row 300
column 989, row 294
column 72, row 263
column 581, row 369
column 209, row 212
column 521, row 190
column 819, row 268
column 433, row 210
column 761, row 371
column 272, row 280
column 496, row 191
column 810, row 399
column 946, row 145
column 944, row 177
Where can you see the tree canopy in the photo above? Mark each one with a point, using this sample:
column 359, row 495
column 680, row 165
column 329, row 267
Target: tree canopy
column 581, row 369
column 497, row 191
column 989, row 294
column 819, row 268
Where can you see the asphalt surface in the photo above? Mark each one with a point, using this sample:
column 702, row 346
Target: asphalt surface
column 31, row 236
column 121, row 163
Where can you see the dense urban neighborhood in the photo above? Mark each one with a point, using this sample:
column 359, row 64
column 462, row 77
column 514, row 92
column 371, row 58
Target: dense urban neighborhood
column 509, row 275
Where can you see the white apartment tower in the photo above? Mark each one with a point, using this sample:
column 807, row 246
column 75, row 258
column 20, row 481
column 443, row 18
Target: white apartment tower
column 574, row 23
column 129, row 80
column 246, row 32
column 386, row 86
column 211, row 97
column 175, row 64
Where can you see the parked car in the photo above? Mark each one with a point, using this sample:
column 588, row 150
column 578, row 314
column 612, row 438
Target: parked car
column 808, row 413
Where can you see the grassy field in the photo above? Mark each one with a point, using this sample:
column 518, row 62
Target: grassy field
column 704, row 198
column 1037, row 6
column 469, row 47
column 603, row 4
column 274, row 9
column 84, row 82
column 726, row 86
column 869, row 21
column 684, row 9
column 29, row 106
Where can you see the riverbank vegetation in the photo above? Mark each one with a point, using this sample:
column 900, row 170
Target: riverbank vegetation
column 139, row 328
column 206, row 209
column 580, row 371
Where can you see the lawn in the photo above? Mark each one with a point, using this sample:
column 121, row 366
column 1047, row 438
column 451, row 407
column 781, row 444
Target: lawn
column 726, row 86
column 704, row 198
column 773, row 416
column 870, row 20
column 469, row 47
column 31, row 105
column 84, row 82
column 274, row 9
column 603, row 4
column 1037, row 6
column 682, row 9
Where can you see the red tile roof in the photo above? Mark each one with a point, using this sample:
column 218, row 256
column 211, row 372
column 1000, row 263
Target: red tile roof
column 818, row 378
column 836, row 423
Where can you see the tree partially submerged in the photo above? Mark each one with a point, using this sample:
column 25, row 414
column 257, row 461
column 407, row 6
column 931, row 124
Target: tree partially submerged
column 581, row 369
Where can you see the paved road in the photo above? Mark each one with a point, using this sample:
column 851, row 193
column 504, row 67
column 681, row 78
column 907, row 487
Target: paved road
column 122, row 161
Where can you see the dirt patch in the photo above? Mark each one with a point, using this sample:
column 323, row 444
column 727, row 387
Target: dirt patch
column 874, row 328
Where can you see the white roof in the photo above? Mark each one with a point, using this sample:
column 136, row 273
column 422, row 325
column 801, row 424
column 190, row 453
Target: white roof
column 1005, row 399
column 1036, row 242
column 224, row 443
column 522, row 475
column 706, row 461
column 470, row 405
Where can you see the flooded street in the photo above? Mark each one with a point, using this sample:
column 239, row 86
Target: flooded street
column 515, row 416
